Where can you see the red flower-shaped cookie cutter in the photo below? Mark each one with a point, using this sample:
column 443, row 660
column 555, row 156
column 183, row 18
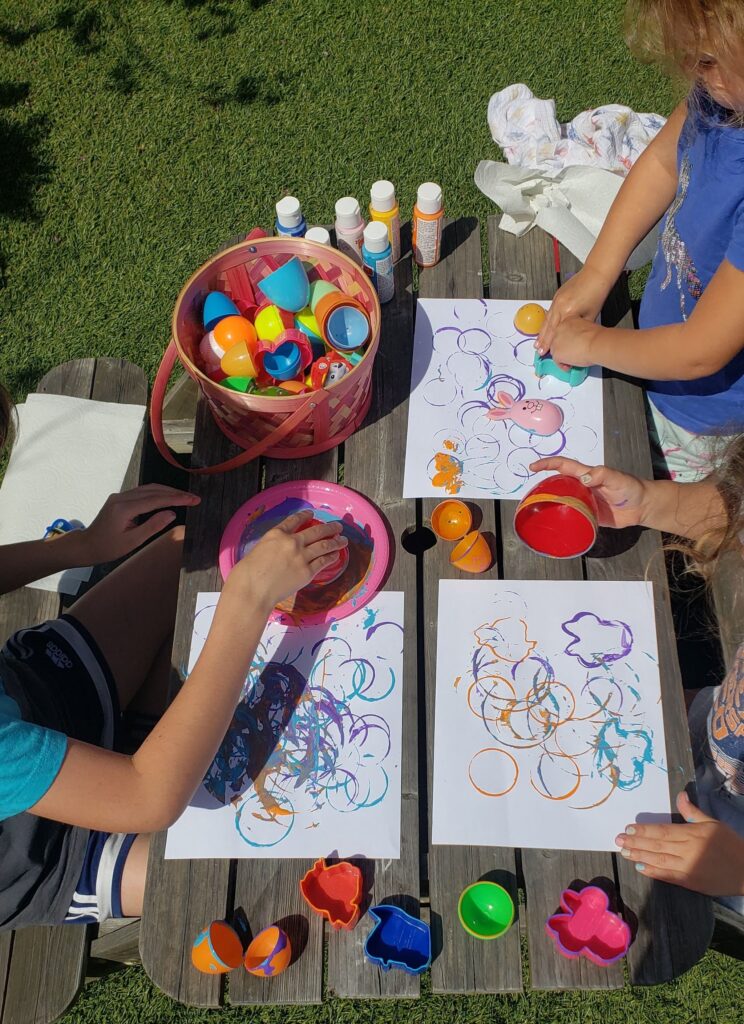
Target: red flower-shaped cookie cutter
column 334, row 892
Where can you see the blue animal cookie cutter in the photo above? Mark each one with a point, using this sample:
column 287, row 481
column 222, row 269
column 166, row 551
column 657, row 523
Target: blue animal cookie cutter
column 574, row 375
column 62, row 526
column 398, row 940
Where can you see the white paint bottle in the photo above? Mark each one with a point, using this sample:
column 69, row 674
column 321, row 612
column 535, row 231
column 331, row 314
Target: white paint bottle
column 349, row 228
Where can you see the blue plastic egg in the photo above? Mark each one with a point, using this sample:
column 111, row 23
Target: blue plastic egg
column 216, row 307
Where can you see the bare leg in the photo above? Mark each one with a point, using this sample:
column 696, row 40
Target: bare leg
column 133, row 877
column 131, row 612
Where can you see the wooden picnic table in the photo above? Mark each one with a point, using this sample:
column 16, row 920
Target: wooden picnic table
column 672, row 927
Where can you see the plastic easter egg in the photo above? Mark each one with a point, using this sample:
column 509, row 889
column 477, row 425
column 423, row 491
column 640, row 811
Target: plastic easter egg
column 305, row 321
column 238, row 361
column 284, row 362
column 529, row 319
column 271, row 321
column 243, row 384
column 269, row 953
column 210, row 352
column 216, row 307
column 233, row 329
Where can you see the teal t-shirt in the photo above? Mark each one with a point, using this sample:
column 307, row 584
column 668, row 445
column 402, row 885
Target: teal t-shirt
column 30, row 758
column 703, row 227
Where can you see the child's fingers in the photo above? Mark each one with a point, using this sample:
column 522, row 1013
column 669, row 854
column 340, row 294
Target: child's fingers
column 689, row 811
column 640, row 834
column 148, row 529
column 291, row 523
column 154, row 493
column 569, row 467
column 659, row 858
column 664, row 874
column 320, row 563
column 330, row 545
column 321, row 532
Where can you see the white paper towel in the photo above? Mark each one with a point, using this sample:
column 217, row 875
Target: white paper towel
column 571, row 205
column 69, row 455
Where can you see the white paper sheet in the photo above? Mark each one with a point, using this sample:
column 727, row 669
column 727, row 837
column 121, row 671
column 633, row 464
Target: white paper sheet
column 69, row 455
column 548, row 726
column 311, row 763
column 466, row 351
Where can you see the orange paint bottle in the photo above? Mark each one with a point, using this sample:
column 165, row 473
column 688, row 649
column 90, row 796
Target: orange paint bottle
column 428, row 216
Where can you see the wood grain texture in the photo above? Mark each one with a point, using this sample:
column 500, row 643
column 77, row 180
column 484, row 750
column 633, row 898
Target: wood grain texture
column 374, row 459
column 183, row 896
column 523, row 268
column 117, row 941
column 463, row 964
column 6, row 948
column 268, row 890
column 674, row 925
column 47, row 967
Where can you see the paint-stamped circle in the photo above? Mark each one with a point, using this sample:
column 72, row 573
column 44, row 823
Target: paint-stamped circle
column 363, row 527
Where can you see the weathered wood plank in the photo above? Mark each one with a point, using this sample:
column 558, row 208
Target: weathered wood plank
column 47, row 968
column 373, row 465
column 523, row 268
column 268, row 890
column 464, row 964
column 674, row 925
column 117, row 941
column 6, row 947
column 183, row 896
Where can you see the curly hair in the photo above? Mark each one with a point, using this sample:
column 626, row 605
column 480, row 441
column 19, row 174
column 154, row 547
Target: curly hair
column 705, row 553
column 678, row 33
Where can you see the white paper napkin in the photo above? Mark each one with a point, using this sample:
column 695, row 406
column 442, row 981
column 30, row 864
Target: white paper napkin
column 69, row 455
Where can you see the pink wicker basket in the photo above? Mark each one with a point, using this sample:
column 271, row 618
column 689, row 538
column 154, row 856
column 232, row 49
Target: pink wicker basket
column 278, row 427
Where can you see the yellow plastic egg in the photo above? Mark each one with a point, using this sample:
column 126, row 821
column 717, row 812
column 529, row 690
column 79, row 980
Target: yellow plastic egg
column 238, row 361
column 270, row 323
column 529, row 319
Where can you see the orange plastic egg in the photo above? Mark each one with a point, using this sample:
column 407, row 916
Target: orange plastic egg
column 529, row 319
column 238, row 360
column 233, row 329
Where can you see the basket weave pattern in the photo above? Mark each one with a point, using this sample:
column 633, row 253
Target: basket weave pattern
column 331, row 414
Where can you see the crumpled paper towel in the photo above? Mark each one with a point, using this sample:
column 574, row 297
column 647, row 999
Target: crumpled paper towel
column 571, row 205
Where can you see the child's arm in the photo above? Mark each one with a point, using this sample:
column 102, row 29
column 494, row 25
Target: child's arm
column 113, row 533
column 698, row 347
column 685, row 510
column 646, row 194
column 146, row 792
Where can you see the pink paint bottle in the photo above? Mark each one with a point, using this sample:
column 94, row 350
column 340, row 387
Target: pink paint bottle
column 349, row 228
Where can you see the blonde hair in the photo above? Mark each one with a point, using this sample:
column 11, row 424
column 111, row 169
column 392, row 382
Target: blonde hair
column 677, row 33
column 704, row 554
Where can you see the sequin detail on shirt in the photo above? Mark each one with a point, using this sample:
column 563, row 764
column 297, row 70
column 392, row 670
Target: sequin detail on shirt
column 676, row 253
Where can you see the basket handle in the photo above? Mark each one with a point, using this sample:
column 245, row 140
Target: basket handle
column 156, row 422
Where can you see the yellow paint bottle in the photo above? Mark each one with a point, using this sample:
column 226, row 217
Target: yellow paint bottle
column 384, row 208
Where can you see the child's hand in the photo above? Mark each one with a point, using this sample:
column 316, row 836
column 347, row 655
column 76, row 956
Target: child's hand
column 572, row 342
column 583, row 295
column 284, row 561
column 621, row 498
column 115, row 530
column 703, row 855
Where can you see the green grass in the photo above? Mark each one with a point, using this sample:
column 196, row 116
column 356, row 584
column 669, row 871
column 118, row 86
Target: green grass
column 138, row 136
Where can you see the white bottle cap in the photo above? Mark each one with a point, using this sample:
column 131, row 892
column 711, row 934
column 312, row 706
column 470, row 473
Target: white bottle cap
column 318, row 235
column 429, row 197
column 348, row 214
column 382, row 195
column 376, row 236
column 289, row 212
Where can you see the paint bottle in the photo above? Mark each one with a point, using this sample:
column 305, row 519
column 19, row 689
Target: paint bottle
column 349, row 228
column 319, row 235
column 384, row 207
column 289, row 218
column 428, row 215
column 377, row 254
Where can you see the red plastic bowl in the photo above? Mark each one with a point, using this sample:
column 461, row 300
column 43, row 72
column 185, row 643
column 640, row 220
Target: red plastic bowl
column 558, row 518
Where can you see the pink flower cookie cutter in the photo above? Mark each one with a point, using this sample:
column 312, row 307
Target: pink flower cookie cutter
column 587, row 927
